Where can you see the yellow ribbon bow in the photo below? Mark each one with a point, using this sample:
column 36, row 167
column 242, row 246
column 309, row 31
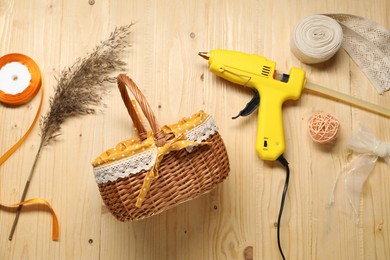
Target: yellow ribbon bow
column 175, row 144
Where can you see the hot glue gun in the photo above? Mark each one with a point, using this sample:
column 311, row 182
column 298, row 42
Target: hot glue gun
column 260, row 74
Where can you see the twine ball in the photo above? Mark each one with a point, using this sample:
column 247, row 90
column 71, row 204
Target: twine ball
column 323, row 128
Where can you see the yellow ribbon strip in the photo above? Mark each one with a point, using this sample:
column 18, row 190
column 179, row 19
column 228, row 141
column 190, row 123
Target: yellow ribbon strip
column 55, row 229
column 7, row 154
column 176, row 144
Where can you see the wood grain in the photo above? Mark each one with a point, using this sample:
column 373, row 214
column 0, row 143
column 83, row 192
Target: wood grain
column 240, row 214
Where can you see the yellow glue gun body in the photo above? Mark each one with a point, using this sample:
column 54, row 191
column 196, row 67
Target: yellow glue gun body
column 257, row 72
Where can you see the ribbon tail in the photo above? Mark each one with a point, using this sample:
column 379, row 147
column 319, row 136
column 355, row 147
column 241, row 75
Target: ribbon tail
column 354, row 176
column 38, row 201
column 149, row 178
column 10, row 151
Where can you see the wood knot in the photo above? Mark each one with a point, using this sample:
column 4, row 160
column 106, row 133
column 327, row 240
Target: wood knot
column 379, row 228
column 14, row 125
column 248, row 253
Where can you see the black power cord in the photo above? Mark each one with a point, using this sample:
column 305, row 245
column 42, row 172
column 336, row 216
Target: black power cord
column 284, row 162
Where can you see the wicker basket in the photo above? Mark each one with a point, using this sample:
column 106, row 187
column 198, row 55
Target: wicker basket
column 161, row 168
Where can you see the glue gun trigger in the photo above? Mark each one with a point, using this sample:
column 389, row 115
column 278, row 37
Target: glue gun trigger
column 251, row 106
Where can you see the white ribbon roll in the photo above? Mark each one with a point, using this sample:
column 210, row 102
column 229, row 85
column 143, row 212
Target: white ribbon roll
column 316, row 39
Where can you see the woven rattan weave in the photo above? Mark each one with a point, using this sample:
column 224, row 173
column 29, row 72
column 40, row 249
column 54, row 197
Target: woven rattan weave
column 183, row 174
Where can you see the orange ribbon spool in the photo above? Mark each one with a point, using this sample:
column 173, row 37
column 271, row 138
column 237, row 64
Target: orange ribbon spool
column 35, row 82
column 21, row 98
column 24, row 65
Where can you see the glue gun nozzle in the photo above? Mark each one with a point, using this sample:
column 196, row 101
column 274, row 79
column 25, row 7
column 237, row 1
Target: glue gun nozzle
column 204, row 55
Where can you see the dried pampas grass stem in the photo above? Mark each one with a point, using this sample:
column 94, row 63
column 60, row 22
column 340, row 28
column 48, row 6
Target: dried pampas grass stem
column 79, row 91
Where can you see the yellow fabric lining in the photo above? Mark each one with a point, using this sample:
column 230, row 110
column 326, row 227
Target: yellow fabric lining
column 134, row 146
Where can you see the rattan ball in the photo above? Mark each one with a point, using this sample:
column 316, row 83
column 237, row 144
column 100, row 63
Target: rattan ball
column 323, row 127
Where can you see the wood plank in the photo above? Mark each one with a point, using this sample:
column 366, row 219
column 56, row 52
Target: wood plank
column 238, row 216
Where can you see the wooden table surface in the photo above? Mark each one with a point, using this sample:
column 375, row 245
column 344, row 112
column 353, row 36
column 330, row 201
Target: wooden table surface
column 235, row 221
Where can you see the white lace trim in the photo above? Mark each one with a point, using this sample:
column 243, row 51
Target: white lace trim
column 145, row 161
column 201, row 132
column 125, row 167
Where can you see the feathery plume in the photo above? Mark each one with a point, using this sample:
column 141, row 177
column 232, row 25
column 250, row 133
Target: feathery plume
column 79, row 91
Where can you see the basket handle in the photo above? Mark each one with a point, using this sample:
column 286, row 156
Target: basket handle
column 123, row 82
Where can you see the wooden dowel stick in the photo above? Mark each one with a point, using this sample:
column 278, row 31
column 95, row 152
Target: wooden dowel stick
column 329, row 93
